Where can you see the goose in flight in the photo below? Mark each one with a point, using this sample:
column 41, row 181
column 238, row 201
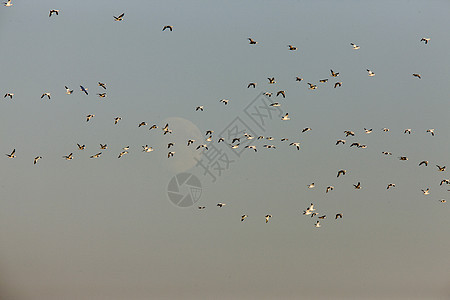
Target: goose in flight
column 442, row 201
column 252, row 41
column 117, row 119
column 271, row 80
column 362, row 146
column 323, row 80
column 390, row 185
column 251, row 84
column 355, row 47
column 46, row 94
column 368, row 130
column 284, row 139
column 251, row 147
column 169, row 145
column 119, row 18
column 386, row 153
column 339, row 215
column 334, row 74
column 201, row 107
column 234, row 146
column 170, row 154
column 417, row 75
column 88, row 117
column 340, row 142
column 53, row 11
column 426, row 192
column 267, row 94
column 68, row 91
column 243, row 217
column 201, row 207
column 224, row 101
column 126, row 148
column 322, row 217
column 341, row 172
column 298, row 78
column 306, row 129
column 370, row 73
column 96, row 155
column 275, row 104
column 220, row 140
column 209, row 132
column 8, row 3
column 68, row 157
column 310, row 186
column 10, row 95
column 338, row 84
column 329, row 188
column 355, row 144
column 431, row 131
column 447, row 181
column 220, row 204
column 12, row 155
column 385, row 129
column 190, row 142
column 103, row 147
column 142, row 124
column 424, row 162
column 425, row 40
column 357, row 186
column 296, row 144
column 269, row 146
column 317, row 225
column 170, row 27
column 103, row 85
column 122, row 153
column 349, row 132
column 292, row 48
column 282, row 93
column 403, row 158
column 83, row 89
column 312, row 86
column 268, row 217
column 286, row 117
column 166, row 129
column 248, row 136
column 408, row 131
column 202, row 146
column 147, row 149
column 441, row 169
column 81, row 147
column 102, row 95
column 36, row 159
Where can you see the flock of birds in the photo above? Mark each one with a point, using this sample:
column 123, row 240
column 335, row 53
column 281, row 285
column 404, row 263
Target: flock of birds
column 236, row 141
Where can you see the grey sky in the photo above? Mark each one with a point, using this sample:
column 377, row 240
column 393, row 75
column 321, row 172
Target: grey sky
column 105, row 229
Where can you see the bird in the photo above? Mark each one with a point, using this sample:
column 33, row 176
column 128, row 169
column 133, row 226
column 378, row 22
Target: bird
column 339, row 215
column 119, row 18
column 142, row 124
column 340, row 142
column 122, row 153
column 199, row 108
column 68, row 91
column 286, row 117
column 267, row 94
column 271, row 80
column 46, row 94
column 386, row 153
column 408, row 131
column 248, row 136
column 224, row 101
column 362, row 146
column 426, row 192
column 88, row 117
column 323, row 80
column 83, row 89
column 251, row 147
column 431, row 131
column 403, row 158
column 298, row 79
column 202, row 146
column 441, row 169
column 170, row 27
column 103, row 85
column 36, row 159
column 385, row 129
column 306, row 129
column 447, row 181
column 312, row 86
column 314, row 214
column 170, row 154
column 251, row 84
column 417, row 75
column 81, row 147
column 355, row 144
column 10, row 95
column 390, row 185
column 169, row 145
column 322, row 217
column 209, row 132
column 268, row 217
column 12, row 155
column 368, row 130
column 101, row 95
column 317, row 225
column 357, row 186
column 126, row 148
column 295, row 144
column 243, row 217
column 153, row 127
column 442, row 200
column 425, row 40
column 292, row 48
column 355, row 47
column 190, row 142
column 220, row 204
column 252, row 41
column 96, row 155
column 349, row 132
column 103, row 147
column 7, row 3
column 146, row 148
column 53, row 11
column 310, row 186
column 220, row 140
column 309, row 210
column 117, row 119
column 201, row 207
column 334, row 74
column 234, row 146
column 68, row 157
column 338, row 84
column 166, row 129
column 329, row 188
column 341, row 172
column 370, row 73
column 282, row 93
column 269, row 146
column 284, row 139
column 424, row 162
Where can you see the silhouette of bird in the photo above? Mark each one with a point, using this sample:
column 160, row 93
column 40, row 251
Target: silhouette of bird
column 53, row 11
column 119, row 18
column 170, row 27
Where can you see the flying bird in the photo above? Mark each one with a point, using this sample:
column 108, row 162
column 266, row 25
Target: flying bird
column 329, row 188
column 310, row 186
column 317, row 225
column 312, row 86
column 221, row 204
column 68, row 91
column 357, row 186
column 251, row 147
column 170, row 27
column 370, row 73
column 224, row 101
column 142, row 124
column 338, row 216
column 199, row 108
column 271, row 80
column 338, row 84
column 53, row 11
column 403, row 158
column 45, row 94
column 355, row 47
column 286, row 117
column 101, row 84
column 441, row 169
column 298, row 79
column 417, row 75
column 426, row 192
column 424, row 162
column 117, row 119
column 83, row 89
column 88, row 117
column 282, row 93
column 122, row 153
column 323, row 80
column 390, row 185
column 292, row 48
column 408, row 131
column 243, row 217
column 10, row 95
column 252, row 41
column 103, row 147
column 341, row 172
column 170, row 154
column 251, row 84
column 36, row 159
column 7, row 3
column 425, row 40
column 119, row 18
column 340, row 142
column 68, row 157
column 96, row 155
column 431, row 131
column 12, row 155
column 102, row 95
column 268, row 217
column 297, row 145
column 334, row 74
column 306, row 129
column 81, row 147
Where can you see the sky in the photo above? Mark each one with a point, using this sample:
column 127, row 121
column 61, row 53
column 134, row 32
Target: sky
column 106, row 228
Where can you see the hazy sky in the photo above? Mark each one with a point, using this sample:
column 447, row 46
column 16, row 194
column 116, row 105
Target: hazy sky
column 105, row 228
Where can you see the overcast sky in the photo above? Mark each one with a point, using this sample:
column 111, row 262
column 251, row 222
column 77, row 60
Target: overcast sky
column 105, row 228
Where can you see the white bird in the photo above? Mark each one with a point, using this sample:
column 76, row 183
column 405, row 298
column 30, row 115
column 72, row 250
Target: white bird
column 53, row 11
column 297, row 144
column 370, row 73
column 119, row 18
column 170, row 27
column 268, row 217
column 426, row 192
column 146, row 148
column 170, row 154
column 88, row 117
column 329, row 188
column 317, row 225
column 368, row 130
column 68, row 91
column 356, row 47
column 408, row 131
column 12, row 155
column 221, row 204
column 8, row 3
column 431, row 131
column 310, row 186
column 286, row 117
column 126, row 148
